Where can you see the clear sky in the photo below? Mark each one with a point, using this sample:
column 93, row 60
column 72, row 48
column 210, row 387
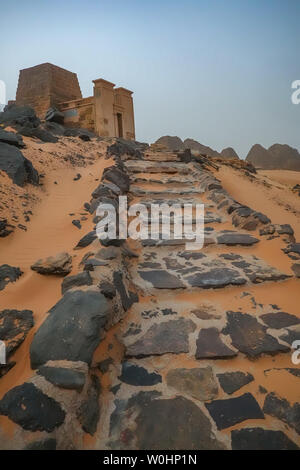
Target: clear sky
column 218, row 71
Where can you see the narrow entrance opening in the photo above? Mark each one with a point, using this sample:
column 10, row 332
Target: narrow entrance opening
column 120, row 125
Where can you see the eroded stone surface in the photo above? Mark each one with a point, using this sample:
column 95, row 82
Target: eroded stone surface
column 250, row 337
column 210, row 345
column 161, row 279
column 279, row 320
column 280, row 408
column 60, row 264
column 198, row 383
column 162, row 338
column 63, row 377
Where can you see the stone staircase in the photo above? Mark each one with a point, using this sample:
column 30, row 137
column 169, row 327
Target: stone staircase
column 197, row 344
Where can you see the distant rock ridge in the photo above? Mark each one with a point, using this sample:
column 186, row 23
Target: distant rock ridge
column 175, row 143
column 278, row 156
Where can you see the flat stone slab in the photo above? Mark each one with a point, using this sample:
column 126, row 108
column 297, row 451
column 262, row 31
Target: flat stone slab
column 235, row 238
column 8, row 274
column 161, row 279
column 210, row 345
column 199, row 383
column 27, row 406
column 63, row 377
column 233, row 381
column 216, row 278
column 279, row 320
column 250, row 337
column 173, row 424
column 280, row 408
column 232, row 411
column 72, row 330
column 138, row 376
column 162, row 338
column 139, row 191
column 261, row 439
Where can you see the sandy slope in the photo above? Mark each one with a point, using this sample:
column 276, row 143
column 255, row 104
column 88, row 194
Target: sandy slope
column 264, row 194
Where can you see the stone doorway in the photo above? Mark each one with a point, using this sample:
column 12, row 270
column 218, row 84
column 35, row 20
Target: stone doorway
column 120, row 124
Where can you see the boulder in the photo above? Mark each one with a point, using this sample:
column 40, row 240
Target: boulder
column 63, row 377
column 53, row 115
column 18, row 168
column 11, row 138
column 8, row 274
column 60, row 265
column 72, row 330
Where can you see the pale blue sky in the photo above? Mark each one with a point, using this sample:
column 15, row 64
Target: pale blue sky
column 218, row 71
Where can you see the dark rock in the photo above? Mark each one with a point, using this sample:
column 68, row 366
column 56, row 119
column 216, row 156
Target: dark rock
column 233, row 238
column 91, row 263
column 72, row 330
column 198, row 382
column 216, row 278
column 292, row 248
column 109, row 253
column 291, row 336
column 54, row 128
column 11, row 138
column 260, row 439
column 5, row 228
column 89, row 411
column 136, row 375
column 27, row 406
column 83, row 134
column 53, row 115
column 77, row 223
column 107, row 289
column 80, row 279
column 125, row 147
column 118, row 177
column 14, row 327
column 103, row 366
column 39, row 132
column 60, row 265
column 127, row 297
column 296, row 269
column 210, row 345
column 77, row 177
column 18, row 168
column 280, row 408
column 173, row 424
column 86, row 240
column 63, row 377
column 250, row 337
column 279, row 319
column 161, row 279
column 19, row 115
column 232, row 411
column 46, row 444
column 162, row 338
column 8, row 274
column 233, row 381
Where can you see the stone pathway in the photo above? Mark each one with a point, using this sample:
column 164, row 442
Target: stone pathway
column 153, row 346
column 190, row 370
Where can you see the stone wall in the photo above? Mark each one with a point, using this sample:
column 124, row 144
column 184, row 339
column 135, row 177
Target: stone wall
column 46, row 85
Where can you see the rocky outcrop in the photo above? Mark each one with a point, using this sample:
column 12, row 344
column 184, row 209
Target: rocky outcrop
column 16, row 166
column 278, row 156
column 60, row 265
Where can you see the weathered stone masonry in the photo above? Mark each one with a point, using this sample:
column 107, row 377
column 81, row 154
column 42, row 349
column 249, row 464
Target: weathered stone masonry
column 109, row 112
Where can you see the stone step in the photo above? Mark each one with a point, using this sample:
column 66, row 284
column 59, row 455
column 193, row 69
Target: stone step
column 161, row 179
column 141, row 166
column 139, row 191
